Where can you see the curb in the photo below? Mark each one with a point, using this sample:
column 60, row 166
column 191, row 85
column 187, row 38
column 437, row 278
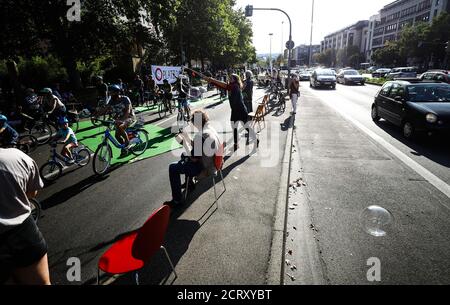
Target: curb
column 275, row 273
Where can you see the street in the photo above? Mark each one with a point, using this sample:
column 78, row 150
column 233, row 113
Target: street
column 348, row 163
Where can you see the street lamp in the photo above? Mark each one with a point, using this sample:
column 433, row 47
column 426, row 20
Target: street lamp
column 290, row 44
column 270, row 56
column 310, row 41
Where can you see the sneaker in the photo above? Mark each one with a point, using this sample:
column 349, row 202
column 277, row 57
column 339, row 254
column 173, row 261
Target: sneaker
column 70, row 161
column 123, row 153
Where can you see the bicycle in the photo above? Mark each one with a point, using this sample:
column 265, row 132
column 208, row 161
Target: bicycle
column 100, row 113
column 52, row 170
column 35, row 209
column 40, row 129
column 26, row 144
column 137, row 136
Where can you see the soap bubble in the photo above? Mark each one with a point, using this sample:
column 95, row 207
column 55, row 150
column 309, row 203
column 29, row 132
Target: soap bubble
column 376, row 220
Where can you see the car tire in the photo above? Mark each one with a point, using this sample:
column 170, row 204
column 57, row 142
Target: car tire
column 408, row 130
column 375, row 117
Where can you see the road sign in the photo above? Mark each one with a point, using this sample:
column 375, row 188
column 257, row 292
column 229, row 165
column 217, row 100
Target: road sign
column 290, row 45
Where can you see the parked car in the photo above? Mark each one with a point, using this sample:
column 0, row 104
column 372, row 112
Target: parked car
column 382, row 72
column 404, row 72
column 416, row 106
column 347, row 77
column 437, row 75
column 323, row 77
column 372, row 69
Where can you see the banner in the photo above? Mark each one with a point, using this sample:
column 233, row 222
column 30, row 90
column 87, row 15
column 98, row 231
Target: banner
column 160, row 73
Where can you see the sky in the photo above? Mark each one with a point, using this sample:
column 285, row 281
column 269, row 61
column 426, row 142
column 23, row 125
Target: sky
column 329, row 16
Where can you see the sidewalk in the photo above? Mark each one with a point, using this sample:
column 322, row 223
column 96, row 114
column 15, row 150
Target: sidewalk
column 231, row 244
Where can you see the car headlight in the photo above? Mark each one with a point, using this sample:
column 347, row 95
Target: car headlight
column 431, row 118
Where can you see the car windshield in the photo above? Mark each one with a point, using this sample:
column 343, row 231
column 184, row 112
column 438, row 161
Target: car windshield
column 429, row 93
column 325, row 73
column 351, row 72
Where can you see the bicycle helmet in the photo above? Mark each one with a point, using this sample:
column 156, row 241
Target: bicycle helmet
column 47, row 91
column 115, row 88
column 63, row 120
column 3, row 120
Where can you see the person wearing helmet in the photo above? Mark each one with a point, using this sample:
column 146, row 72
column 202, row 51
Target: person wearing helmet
column 32, row 103
column 183, row 93
column 50, row 101
column 69, row 140
column 8, row 135
column 123, row 113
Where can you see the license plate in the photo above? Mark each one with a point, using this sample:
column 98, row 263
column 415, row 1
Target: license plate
column 327, row 83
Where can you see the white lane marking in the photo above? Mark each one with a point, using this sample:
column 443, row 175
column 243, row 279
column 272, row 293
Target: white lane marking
column 419, row 169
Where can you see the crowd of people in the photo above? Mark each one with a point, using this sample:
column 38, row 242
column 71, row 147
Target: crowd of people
column 23, row 250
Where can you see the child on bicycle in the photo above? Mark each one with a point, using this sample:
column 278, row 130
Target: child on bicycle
column 167, row 93
column 69, row 139
column 8, row 135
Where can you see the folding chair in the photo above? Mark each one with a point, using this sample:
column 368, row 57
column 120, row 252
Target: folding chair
column 265, row 102
column 258, row 117
column 132, row 252
column 218, row 163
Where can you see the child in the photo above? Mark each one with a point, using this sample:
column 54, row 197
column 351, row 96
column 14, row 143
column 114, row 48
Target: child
column 69, row 139
column 8, row 135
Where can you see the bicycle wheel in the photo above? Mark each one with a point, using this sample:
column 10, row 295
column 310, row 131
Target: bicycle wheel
column 82, row 157
column 42, row 131
column 95, row 120
column 51, row 171
column 30, row 141
column 102, row 159
column 35, row 209
column 141, row 144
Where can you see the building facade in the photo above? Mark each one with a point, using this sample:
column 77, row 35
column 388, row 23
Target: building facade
column 395, row 16
column 301, row 54
column 353, row 35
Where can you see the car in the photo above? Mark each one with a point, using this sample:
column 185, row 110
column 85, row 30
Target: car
column 304, row 75
column 402, row 73
column 414, row 105
column 323, row 78
column 347, row 77
column 437, row 75
column 372, row 69
column 382, row 72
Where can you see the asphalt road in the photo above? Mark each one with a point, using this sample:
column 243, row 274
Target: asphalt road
column 83, row 214
column 348, row 163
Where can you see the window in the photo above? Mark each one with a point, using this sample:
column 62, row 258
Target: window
column 385, row 90
column 409, row 11
column 377, row 41
column 378, row 32
column 424, row 5
column 397, row 90
column 423, row 18
column 406, row 23
column 391, row 28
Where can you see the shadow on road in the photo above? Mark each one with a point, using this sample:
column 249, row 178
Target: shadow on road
column 434, row 148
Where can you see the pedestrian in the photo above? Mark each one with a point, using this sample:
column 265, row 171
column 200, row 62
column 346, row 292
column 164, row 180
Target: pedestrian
column 23, row 249
column 247, row 91
column 294, row 90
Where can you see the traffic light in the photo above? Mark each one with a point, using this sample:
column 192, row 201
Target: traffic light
column 249, row 11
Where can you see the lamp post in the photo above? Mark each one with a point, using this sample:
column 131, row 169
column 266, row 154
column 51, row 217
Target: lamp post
column 310, row 41
column 249, row 12
column 282, row 41
column 270, row 56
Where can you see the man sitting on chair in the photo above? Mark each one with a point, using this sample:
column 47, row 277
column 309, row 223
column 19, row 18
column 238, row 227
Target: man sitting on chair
column 200, row 160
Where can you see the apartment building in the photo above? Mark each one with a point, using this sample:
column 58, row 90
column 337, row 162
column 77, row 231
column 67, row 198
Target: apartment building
column 301, row 54
column 395, row 16
column 353, row 35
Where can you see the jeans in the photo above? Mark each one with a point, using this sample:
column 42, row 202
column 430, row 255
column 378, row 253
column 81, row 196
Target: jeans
column 187, row 168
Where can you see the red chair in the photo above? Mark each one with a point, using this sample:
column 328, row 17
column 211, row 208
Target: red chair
column 218, row 162
column 132, row 252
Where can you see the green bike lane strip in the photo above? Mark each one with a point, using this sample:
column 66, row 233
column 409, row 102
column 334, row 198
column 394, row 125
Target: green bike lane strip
column 161, row 140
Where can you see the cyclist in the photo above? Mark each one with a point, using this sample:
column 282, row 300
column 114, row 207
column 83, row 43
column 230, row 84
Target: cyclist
column 183, row 89
column 69, row 139
column 138, row 86
column 102, row 90
column 166, row 89
column 123, row 115
column 31, row 103
column 50, row 101
column 8, row 135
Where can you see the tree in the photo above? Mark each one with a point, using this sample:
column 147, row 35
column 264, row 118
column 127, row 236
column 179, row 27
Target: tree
column 349, row 56
column 388, row 55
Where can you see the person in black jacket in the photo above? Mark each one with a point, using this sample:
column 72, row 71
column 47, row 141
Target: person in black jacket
column 239, row 112
column 248, row 91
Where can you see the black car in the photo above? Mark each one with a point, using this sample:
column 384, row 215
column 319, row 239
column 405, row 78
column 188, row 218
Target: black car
column 323, row 78
column 416, row 106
